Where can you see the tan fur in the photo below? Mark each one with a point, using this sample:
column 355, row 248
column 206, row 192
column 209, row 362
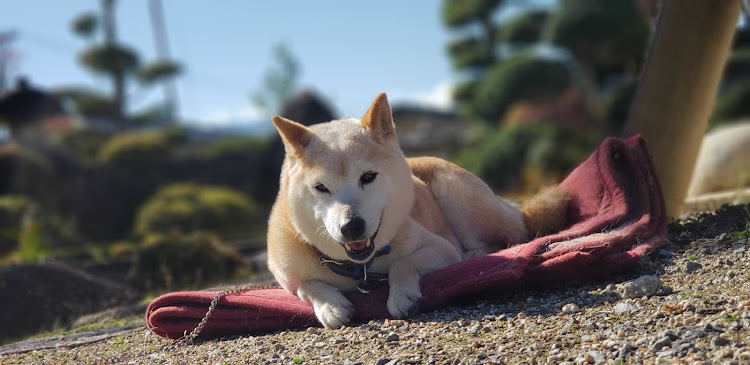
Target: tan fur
column 546, row 212
column 431, row 212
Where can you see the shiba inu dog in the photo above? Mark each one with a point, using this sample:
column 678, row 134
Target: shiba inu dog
column 353, row 212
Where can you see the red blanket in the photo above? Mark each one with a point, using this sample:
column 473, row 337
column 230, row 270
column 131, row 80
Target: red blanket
column 616, row 217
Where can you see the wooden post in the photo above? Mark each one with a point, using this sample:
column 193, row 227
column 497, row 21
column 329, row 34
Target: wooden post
column 676, row 93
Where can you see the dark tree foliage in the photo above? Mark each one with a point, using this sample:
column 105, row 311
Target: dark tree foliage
column 85, row 25
column 600, row 33
column 738, row 66
column 158, row 71
column 470, row 52
column 734, row 103
column 524, row 29
column 733, row 100
column 617, row 106
column 522, row 77
column 604, row 38
column 549, row 151
column 457, row 13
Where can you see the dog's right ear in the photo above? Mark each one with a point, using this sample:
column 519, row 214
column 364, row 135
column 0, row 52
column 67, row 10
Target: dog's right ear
column 378, row 120
column 295, row 136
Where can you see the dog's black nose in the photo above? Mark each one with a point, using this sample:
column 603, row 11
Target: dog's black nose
column 354, row 229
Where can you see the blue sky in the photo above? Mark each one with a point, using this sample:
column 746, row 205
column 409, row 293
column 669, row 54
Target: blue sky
column 348, row 50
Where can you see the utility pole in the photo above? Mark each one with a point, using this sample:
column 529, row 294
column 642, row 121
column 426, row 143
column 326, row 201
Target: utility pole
column 159, row 27
column 6, row 57
column 118, row 78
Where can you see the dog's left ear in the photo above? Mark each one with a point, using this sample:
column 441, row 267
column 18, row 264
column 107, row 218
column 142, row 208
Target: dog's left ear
column 378, row 120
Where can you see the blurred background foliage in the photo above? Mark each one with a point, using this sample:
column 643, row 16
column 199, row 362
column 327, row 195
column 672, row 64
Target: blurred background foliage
column 547, row 84
column 189, row 207
column 537, row 89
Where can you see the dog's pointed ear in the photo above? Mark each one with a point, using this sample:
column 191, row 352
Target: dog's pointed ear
column 378, row 120
column 295, row 136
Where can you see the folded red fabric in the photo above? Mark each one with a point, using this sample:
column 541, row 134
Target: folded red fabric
column 616, row 216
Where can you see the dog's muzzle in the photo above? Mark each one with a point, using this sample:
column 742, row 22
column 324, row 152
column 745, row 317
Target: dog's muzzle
column 358, row 250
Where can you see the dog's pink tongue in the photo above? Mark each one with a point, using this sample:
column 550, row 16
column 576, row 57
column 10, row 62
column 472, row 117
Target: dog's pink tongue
column 357, row 245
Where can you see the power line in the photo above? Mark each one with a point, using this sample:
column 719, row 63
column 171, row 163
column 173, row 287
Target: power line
column 49, row 43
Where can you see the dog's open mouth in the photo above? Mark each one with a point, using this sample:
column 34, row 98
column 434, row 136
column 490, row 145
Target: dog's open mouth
column 360, row 250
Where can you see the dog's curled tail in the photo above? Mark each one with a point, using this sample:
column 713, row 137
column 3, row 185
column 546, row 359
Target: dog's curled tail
column 546, row 212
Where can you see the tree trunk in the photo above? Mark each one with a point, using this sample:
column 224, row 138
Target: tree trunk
column 679, row 84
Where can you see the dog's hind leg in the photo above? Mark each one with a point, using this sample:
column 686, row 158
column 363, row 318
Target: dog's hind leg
column 481, row 221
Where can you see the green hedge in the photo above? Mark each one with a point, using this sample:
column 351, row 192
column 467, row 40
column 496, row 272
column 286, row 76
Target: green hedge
column 84, row 143
column 525, row 28
column 503, row 158
column 131, row 148
column 236, row 145
column 176, row 261
column 12, row 208
column 734, row 103
column 189, row 207
column 525, row 77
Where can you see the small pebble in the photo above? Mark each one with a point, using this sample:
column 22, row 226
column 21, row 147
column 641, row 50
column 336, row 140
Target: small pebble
column 719, row 341
column 660, row 343
column 623, row 307
column 593, row 357
column 692, row 266
column 570, row 308
column 647, row 285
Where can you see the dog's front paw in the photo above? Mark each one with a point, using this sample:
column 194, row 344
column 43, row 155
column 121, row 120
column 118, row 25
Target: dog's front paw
column 334, row 314
column 330, row 305
column 403, row 297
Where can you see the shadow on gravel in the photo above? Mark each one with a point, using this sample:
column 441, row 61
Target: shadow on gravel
column 725, row 220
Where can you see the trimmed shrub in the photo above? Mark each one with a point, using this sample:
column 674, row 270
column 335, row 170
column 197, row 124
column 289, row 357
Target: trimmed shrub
column 236, row 145
column 84, row 143
column 136, row 148
column 36, row 175
column 523, row 77
column 733, row 103
column 177, row 261
column 498, row 158
column 27, row 233
column 525, row 28
column 12, row 208
column 189, row 207
column 506, row 158
column 617, row 107
column 600, row 33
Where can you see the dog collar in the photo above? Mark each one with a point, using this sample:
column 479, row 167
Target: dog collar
column 357, row 271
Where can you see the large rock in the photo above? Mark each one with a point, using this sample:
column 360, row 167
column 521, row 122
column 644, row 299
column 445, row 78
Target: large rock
column 723, row 161
column 41, row 296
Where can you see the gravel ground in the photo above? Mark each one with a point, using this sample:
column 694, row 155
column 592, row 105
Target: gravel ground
column 689, row 302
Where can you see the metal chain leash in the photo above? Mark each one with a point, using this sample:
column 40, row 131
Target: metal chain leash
column 190, row 337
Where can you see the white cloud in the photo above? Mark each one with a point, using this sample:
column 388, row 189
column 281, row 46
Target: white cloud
column 438, row 97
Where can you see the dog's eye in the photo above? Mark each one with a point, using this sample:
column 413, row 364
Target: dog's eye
column 367, row 178
column 321, row 188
